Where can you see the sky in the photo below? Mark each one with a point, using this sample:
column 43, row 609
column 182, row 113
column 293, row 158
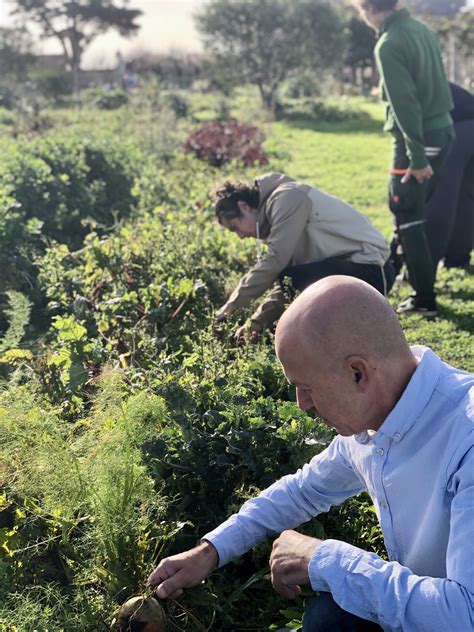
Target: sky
column 165, row 25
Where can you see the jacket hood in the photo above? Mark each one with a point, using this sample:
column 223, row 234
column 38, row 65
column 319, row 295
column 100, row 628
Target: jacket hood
column 268, row 182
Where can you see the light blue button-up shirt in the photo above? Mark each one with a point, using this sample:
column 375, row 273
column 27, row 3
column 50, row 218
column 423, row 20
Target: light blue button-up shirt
column 419, row 470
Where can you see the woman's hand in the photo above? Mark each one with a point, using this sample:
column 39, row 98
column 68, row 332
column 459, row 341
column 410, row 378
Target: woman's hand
column 222, row 314
column 248, row 333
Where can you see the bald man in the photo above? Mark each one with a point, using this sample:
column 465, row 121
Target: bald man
column 405, row 435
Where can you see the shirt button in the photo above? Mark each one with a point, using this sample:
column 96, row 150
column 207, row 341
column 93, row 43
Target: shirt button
column 397, row 436
column 380, row 451
column 383, row 504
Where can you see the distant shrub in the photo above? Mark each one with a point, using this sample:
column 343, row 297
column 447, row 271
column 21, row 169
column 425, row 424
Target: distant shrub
column 332, row 113
column 178, row 104
column 220, row 142
column 6, row 116
column 52, row 83
column 305, row 84
column 8, row 96
column 223, row 110
column 319, row 111
column 109, row 99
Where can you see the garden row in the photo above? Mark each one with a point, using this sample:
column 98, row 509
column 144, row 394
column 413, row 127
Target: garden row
column 128, row 427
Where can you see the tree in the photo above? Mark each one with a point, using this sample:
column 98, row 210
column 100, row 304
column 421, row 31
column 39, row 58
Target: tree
column 267, row 41
column 360, row 49
column 15, row 52
column 457, row 36
column 465, row 32
column 444, row 8
column 16, row 57
column 75, row 23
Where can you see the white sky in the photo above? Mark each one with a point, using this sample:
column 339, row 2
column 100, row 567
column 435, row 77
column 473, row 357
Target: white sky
column 165, row 25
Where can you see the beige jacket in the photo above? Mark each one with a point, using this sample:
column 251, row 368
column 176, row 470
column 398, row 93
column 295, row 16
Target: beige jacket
column 302, row 224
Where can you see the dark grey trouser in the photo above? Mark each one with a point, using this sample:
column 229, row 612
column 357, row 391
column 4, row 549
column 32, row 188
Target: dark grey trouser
column 450, row 208
column 458, row 252
column 407, row 203
column 303, row 275
column 322, row 614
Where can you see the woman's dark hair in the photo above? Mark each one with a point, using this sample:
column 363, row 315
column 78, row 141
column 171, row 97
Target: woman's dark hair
column 381, row 5
column 227, row 194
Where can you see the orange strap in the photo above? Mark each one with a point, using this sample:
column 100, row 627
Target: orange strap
column 398, row 172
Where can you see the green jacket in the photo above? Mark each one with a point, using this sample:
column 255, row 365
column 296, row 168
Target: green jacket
column 413, row 82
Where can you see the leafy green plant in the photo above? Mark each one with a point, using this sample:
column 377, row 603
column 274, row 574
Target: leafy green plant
column 57, row 187
column 73, row 353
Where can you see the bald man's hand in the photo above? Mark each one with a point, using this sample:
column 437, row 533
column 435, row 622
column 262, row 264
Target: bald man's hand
column 289, row 560
column 175, row 573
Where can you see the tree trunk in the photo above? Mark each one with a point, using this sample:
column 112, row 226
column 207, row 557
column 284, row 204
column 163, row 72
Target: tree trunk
column 75, row 79
column 268, row 96
column 76, row 56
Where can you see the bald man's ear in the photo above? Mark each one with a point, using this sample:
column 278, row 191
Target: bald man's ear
column 358, row 371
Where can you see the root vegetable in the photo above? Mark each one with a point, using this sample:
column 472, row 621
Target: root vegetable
column 140, row 614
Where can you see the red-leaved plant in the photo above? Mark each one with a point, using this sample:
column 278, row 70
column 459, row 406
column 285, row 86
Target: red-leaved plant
column 220, row 142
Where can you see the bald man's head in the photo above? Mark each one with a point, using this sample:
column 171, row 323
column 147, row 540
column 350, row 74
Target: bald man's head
column 340, row 316
column 341, row 345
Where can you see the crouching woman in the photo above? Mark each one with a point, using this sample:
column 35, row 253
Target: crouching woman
column 310, row 235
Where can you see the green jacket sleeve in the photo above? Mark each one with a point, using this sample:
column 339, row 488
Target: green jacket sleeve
column 288, row 212
column 400, row 91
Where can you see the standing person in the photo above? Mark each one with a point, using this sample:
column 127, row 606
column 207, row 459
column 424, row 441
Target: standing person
column 405, row 432
column 310, row 235
column 418, row 101
column 450, row 208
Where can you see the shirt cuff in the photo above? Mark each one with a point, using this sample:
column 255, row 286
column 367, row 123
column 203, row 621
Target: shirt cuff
column 329, row 564
column 229, row 540
column 219, row 543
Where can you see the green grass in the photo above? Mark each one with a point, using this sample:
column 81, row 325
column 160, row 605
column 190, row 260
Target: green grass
column 348, row 159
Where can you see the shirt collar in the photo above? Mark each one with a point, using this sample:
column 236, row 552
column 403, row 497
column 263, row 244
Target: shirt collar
column 396, row 16
column 416, row 395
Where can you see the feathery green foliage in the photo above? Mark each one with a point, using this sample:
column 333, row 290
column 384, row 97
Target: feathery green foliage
column 18, row 315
